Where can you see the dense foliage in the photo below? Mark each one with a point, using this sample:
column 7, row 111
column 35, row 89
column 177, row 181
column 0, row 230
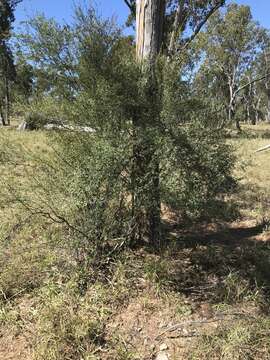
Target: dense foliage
column 88, row 79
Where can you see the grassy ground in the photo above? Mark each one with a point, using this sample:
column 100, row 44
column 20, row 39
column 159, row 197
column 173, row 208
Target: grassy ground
column 205, row 297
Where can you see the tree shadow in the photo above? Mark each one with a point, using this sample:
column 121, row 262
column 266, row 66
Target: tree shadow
column 229, row 265
column 249, row 134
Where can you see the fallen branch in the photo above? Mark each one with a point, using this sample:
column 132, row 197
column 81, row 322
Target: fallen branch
column 263, row 148
column 178, row 326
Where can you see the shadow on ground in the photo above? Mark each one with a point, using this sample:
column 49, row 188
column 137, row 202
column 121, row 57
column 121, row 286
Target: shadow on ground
column 227, row 265
column 251, row 133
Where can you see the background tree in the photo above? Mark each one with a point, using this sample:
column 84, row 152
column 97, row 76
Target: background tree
column 263, row 69
column 7, row 68
column 230, row 42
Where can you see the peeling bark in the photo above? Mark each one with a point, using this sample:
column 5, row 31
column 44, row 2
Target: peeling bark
column 149, row 25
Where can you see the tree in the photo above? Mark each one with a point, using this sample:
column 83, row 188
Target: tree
column 252, row 96
column 183, row 21
column 266, row 69
column 231, row 42
column 263, row 69
column 156, row 32
column 8, row 74
column 7, row 8
column 148, row 147
column 7, row 68
column 146, row 192
column 23, row 85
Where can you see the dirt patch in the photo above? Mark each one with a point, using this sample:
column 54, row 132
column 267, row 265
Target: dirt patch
column 139, row 325
column 14, row 348
column 154, row 328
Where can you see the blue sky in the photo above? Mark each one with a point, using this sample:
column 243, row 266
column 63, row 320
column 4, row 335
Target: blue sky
column 62, row 9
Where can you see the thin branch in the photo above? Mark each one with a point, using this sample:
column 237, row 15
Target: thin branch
column 250, row 83
column 202, row 23
column 130, row 6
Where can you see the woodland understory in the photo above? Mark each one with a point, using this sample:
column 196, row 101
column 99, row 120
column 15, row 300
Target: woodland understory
column 135, row 184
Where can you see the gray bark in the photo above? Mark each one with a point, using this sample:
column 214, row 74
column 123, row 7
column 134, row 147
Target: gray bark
column 145, row 177
column 268, row 104
column 7, row 102
column 149, row 28
column 267, row 83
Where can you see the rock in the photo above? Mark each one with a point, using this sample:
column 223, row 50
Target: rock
column 56, row 126
column 185, row 332
column 50, row 126
column 163, row 347
column 162, row 356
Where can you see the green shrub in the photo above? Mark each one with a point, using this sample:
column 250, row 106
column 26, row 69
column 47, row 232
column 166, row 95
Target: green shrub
column 101, row 185
column 35, row 121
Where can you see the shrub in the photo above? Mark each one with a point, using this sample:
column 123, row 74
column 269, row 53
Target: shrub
column 35, row 121
column 98, row 185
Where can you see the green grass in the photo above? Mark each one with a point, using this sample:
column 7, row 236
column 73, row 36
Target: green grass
column 242, row 340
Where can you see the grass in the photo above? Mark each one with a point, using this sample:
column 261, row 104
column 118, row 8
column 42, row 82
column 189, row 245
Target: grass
column 243, row 340
column 253, row 171
column 122, row 311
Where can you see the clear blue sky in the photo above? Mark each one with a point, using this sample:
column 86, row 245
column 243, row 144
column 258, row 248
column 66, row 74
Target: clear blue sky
column 62, row 9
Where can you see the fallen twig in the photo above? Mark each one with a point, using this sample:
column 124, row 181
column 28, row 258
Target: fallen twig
column 198, row 322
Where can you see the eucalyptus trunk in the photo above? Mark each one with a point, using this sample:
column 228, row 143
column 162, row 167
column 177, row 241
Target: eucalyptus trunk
column 2, row 116
column 268, row 104
column 145, row 177
column 7, row 102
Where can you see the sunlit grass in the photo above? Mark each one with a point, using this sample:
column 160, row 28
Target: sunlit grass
column 253, row 170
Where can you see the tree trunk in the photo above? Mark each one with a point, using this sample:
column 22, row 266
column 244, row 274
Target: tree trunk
column 2, row 116
column 149, row 29
column 267, row 82
column 7, row 102
column 268, row 106
column 247, row 113
column 145, row 177
column 231, row 115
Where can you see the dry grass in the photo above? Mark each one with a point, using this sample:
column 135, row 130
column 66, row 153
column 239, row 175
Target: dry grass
column 219, row 274
column 254, row 171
